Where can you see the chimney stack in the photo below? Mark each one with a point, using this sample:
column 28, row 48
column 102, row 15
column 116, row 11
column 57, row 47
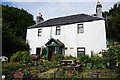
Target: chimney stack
column 39, row 18
column 99, row 10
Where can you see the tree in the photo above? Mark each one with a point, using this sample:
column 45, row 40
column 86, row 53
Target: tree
column 113, row 23
column 15, row 23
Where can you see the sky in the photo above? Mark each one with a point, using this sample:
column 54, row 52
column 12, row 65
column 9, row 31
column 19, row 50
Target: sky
column 59, row 9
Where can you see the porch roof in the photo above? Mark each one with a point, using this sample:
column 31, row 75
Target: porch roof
column 54, row 42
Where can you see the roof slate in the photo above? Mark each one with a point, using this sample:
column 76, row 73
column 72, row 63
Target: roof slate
column 66, row 20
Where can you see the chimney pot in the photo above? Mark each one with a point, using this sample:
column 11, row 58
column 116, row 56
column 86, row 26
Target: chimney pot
column 39, row 18
column 98, row 3
column 40, row 15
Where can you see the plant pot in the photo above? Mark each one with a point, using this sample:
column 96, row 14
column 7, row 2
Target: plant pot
column 70, row 74
column 18, row 75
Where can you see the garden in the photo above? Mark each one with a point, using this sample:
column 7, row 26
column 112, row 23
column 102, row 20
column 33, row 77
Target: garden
column 35, row 67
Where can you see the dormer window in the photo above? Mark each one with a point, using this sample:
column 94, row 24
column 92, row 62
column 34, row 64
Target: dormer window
column 80, row 28
column 58, row 30
column 39, row 32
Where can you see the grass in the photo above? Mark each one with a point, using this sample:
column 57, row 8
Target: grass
column 48, row 74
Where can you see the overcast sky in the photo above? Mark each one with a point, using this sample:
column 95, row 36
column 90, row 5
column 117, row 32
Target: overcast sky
column 58, row 9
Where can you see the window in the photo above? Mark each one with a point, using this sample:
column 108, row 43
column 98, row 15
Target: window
column 80, row 51
column 80, row 28
column 58, row 30
column 38, row 50
column 39, row 32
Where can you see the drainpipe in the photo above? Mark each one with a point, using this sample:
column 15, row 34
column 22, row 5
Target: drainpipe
column 41, row 50
column 51, row 33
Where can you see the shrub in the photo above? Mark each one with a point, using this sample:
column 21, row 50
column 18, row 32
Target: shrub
column 46, row 63
column 20, row 56
column 44, row 51
column 54, row 63
column 54, row 58
column 8, row 69
column 97, row 60
column 69, row 57
column 84, row 59
column 112, row 56
column 43, row 57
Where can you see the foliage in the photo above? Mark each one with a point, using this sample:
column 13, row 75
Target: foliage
column 59, row 57
column 84, row 59
column 47, row 63
column 10, row 66
column 54, row 58
column 43, row 57
column 54, row 63
column 8, row 70
column 112, row 23
column 112, row 56
column 97, row 60
column 69, row 57
column 14, row 26
column 44, row 51
column 20, row 56
column 27, row 76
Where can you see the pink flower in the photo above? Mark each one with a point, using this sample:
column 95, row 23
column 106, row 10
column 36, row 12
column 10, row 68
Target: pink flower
column 95, row 59
column 20, row 72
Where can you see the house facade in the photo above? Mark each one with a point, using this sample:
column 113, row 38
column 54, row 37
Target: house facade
column 70, row 35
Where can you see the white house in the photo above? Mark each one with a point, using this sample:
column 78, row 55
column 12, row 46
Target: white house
column 70, row 35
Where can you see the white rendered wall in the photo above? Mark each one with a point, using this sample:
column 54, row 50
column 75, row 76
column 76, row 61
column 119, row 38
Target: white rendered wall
column 93, row 38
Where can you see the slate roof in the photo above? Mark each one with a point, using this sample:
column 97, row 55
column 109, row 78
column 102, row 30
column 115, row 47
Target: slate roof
column 66, row 20
column 56, row 41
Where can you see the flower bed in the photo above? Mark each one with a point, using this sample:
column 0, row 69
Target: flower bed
column 19, row 75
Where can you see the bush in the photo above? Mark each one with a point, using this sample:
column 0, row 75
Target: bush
column 44, row 51
column 8, row 70
column 84, row 59
column 69, row 57
column 54, row 58
column 43, row 57
column 54, row 63
column 112, row 56
column 20, row 56
column 97, row 60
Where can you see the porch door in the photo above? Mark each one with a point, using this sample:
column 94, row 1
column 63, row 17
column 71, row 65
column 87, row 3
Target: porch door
column 51, row 51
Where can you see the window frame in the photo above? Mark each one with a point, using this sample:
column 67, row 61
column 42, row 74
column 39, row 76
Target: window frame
column 80, row 51
column 37, row 50
column 58, row 29
column 40, row 32
column 80, row 27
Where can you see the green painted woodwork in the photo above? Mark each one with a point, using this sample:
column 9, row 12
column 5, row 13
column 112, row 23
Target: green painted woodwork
column 57, row 51
column 53, row 44
column 47, row 52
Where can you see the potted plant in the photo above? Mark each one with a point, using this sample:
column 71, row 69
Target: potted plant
column 18, row 75
column 88, row 65
column 70, row 73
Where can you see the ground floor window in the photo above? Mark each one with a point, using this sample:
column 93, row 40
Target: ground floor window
column 80, row 51
column 38, row 50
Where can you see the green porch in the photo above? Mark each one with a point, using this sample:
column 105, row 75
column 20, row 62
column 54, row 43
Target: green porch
column 54, row 47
